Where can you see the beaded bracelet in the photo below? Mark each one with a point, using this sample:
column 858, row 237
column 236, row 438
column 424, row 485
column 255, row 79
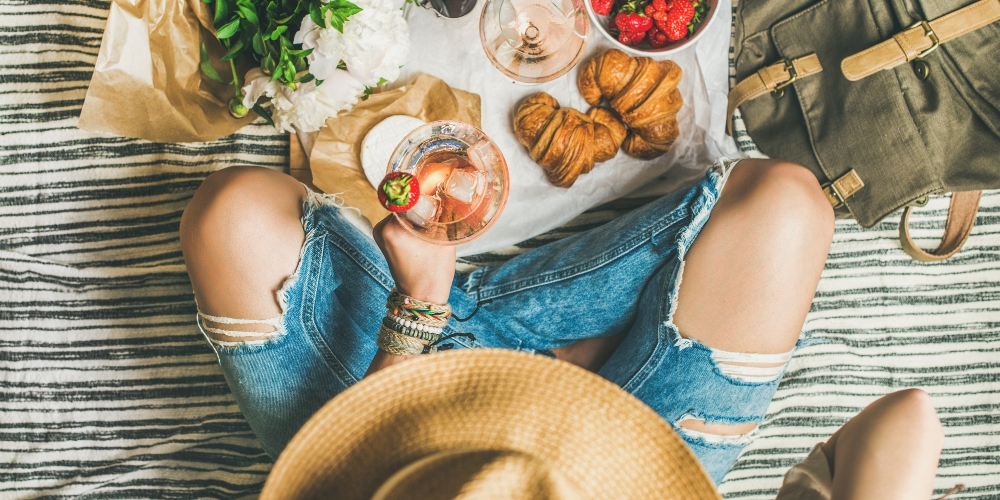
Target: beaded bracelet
column 414, row 325
column 410, row 332
column 416, row 310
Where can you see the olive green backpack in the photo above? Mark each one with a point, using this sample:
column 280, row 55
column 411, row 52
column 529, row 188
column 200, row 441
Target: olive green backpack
column 886, row 101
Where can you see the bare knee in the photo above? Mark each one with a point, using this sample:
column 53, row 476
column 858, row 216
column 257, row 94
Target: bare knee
column 761, row 254
column 914, row 409
column 239, row 205
column 785, row 193
column 241, row 235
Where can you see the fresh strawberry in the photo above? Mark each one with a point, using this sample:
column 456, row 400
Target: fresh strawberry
column 682, row 9
column 659, row 16
column 674, row 28
column 657, row 43
column 637, row 38
column 398, row 191
column 649, row 10
column 602, row 7
column 634, row 23
column 625, row 37
column 659, row 5
column 620, row 20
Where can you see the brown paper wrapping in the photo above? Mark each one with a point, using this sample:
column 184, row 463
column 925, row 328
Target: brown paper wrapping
column 335, row 159
column 147, row 82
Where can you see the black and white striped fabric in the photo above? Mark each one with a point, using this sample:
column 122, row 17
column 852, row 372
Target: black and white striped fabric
column 107, row 390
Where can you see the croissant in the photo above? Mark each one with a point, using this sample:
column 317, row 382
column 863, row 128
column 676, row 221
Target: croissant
column 643, row 92
column 563, row 141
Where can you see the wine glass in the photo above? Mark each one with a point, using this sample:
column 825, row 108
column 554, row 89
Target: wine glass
column 463, row 181
column 534, row 41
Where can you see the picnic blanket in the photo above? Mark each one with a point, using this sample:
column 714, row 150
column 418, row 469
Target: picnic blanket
column 107, row 389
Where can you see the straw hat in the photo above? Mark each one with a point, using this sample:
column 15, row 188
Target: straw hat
column 486, row 423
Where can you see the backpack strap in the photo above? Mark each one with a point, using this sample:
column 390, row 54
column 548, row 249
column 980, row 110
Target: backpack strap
column 961, row 217
column 920, row 39
column 771, row 78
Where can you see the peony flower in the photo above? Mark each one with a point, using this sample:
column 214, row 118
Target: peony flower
column 307, row 107
column 374, row 44
column 258, row 84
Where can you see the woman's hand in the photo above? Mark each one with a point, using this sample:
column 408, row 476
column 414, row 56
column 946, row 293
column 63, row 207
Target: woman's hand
column 420, row 269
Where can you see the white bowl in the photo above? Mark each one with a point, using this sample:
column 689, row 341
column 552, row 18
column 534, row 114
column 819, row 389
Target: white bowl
column 601, row 24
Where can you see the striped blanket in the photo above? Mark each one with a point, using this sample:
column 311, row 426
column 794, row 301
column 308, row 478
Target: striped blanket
column 107, row 390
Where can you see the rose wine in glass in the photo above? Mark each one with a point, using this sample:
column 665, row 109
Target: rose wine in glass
column 534, row 41
column 462, row 177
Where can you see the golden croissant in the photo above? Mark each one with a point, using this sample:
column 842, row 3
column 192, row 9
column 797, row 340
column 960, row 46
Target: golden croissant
column 564, row 141
column 643, row 92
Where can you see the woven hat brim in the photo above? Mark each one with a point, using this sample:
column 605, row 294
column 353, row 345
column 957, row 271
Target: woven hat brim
column 604, row 440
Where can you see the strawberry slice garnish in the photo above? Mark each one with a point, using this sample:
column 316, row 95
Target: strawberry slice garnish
column 398, row 192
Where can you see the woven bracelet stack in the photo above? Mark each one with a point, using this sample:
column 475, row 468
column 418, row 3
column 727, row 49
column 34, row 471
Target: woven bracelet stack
column 412, row 326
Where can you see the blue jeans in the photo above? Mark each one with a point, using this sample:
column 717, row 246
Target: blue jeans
column 621, row 277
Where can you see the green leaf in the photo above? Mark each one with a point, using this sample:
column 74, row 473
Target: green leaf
column 382, row 81
column 258, row 43
column 267, row 63
column 306, row 78
column 316, row 13
column 265, row 114
column 337, row 22
column 289, row 71
column 234, row 50
column 207, row 68
column 249, row 14
column 301, row 52
column 278, row 31
column 221, row 12
column 227, row 30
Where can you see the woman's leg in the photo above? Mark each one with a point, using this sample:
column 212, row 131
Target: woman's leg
column 888, row 451
column 241, row 235
column 290, row 294
column 717, row 326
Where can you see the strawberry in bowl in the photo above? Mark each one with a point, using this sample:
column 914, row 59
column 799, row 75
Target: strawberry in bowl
column 651, row 26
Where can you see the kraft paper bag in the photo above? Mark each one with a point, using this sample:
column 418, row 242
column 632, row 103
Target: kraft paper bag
column 335, row 159
column 147, row 83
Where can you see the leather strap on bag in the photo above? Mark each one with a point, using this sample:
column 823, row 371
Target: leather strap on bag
column 769, row 79
column 961, row 217
column 843, row 188
column 920, row 39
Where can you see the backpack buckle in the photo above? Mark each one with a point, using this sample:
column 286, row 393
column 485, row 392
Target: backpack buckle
column 929, row 33
column 779, row 89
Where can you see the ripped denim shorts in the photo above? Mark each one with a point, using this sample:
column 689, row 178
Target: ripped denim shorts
column 621, row 277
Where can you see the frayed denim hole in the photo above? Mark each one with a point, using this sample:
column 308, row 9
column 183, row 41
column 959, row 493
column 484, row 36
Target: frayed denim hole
column 231, row 348
column 713, row 440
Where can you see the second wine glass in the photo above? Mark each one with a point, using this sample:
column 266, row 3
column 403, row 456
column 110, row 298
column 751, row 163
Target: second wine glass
column 534, row 41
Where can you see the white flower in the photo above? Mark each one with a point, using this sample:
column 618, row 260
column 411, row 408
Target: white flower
column 307, row 107
column 258, row 84
column 374, row 44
